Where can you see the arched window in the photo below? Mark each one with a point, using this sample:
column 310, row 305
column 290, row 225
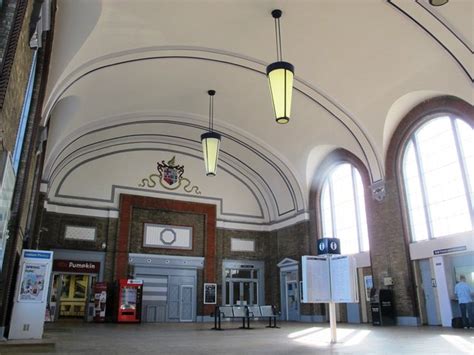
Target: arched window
column 438, row 178
column 343, row 209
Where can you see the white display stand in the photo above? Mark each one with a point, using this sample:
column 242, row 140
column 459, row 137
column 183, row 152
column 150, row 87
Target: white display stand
column 330, row 279
column 29, row 306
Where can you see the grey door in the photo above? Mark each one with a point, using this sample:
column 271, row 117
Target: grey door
column 186, row 303
column 292, row 301
column 428, row 291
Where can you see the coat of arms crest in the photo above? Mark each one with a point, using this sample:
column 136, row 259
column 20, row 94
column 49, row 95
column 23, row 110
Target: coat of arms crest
column 170, row 176
column 170, row 173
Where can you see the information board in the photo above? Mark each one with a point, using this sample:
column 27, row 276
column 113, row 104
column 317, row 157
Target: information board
column 329, row 279
column 316, row 286
column 29, row 306
column 343, row 279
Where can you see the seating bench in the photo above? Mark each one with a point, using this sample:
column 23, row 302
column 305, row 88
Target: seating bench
column 245, row 313
column 231, row 312
column 265, row 312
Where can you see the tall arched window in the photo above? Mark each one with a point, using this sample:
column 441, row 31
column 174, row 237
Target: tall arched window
column 438, row 178
column 343, row 209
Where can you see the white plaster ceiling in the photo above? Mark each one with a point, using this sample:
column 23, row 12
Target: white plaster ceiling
column 360, row 66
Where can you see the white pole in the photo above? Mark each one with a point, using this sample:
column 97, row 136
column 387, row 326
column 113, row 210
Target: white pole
column 332, row 321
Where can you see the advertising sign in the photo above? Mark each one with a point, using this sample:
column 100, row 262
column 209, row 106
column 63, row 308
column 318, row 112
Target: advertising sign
column 29, row 307
column 210, row 291
column 82, row 267
column 32, row 282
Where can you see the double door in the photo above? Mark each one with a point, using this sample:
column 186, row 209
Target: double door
column 243, row 292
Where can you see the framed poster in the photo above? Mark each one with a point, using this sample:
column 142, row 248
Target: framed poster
column 210, row 293
column 32, row 283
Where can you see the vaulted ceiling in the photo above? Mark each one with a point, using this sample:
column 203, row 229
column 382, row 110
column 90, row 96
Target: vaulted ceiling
column 128, row 85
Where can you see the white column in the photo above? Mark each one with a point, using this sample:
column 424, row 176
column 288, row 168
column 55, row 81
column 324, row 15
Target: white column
column 332, row 321
column 444, row 303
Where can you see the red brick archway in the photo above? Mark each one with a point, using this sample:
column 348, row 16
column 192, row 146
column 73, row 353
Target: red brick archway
column 128, row 202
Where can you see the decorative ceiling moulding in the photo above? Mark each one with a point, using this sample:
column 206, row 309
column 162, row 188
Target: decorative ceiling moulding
column 438, row 30
column 279, row 168
column 317, row 96
column 229, row 163
column 438, row 16
column 111, row 201
column 221, row 223
column 231, row 167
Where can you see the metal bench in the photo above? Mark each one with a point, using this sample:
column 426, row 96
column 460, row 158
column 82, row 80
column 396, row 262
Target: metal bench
column 231, row 312
column 271, row 313
column 245, row 312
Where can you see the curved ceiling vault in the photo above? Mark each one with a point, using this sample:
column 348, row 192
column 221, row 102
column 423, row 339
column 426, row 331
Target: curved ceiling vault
column 128, row 81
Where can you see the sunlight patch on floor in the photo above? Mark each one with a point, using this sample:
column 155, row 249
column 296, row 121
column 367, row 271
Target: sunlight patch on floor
column 303, row 332
column 459, row 343
column 321, row 337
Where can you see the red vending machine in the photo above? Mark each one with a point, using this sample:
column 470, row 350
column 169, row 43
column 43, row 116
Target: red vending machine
column 129, row 301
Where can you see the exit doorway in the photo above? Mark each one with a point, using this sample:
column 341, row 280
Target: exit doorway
column 71, row 296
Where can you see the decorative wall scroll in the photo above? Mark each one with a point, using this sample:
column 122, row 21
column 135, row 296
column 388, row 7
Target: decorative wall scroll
column 170, row 177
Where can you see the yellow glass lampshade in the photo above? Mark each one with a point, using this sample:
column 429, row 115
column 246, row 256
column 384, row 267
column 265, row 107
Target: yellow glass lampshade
column 210, row 148
column 280, row 78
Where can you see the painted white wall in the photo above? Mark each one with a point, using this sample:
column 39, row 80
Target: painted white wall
column 425, row 249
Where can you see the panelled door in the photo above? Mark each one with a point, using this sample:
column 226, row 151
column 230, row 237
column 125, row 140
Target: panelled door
column 292, row 304
column 186, row 303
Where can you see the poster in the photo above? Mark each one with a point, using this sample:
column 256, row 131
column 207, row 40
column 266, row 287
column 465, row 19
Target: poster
column 210, row 291
column 32, row 282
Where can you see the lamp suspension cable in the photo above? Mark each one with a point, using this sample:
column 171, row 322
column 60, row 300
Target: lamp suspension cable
column 278, row 37
column 211, row 109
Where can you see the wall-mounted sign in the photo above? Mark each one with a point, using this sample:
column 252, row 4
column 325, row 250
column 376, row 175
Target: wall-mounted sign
column 210, row 293
column 449, row 250
column 78, row 266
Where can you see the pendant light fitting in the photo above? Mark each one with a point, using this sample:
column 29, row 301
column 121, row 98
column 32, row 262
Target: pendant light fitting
column 211, row 141
column 280, row 78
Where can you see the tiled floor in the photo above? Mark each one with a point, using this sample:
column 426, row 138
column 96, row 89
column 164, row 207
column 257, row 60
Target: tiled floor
column 291, row 338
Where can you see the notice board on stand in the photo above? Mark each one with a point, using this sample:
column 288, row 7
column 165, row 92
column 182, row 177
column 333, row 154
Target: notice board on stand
column 329, row 279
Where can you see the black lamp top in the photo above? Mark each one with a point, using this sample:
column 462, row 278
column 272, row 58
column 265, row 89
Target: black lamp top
column 211, row 92
column 276, row 13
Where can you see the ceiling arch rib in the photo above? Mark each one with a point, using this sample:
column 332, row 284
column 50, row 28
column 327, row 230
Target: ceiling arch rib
column 269, row 180
column 440, row 24
column 252, row 67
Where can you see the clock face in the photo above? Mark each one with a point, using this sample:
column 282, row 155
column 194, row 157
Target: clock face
column 321, row 246
column 333, row 245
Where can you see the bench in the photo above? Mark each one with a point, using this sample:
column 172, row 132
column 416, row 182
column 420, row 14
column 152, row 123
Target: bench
column 269, row 312
column 245, row 313
column 231, row 312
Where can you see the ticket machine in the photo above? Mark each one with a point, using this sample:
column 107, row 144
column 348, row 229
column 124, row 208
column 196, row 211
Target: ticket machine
column 129, row 301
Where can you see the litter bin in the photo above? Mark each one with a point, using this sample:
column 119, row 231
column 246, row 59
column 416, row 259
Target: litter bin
column 381, row 307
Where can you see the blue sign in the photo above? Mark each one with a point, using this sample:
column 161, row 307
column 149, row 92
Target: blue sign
column 37, row 255
column 449, row 250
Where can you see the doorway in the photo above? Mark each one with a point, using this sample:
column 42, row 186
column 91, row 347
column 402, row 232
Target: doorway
column 71, row 295
column 186, row 311
column 243, row 282
column 428, row 283
column 290, row 290
column 292, row 304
